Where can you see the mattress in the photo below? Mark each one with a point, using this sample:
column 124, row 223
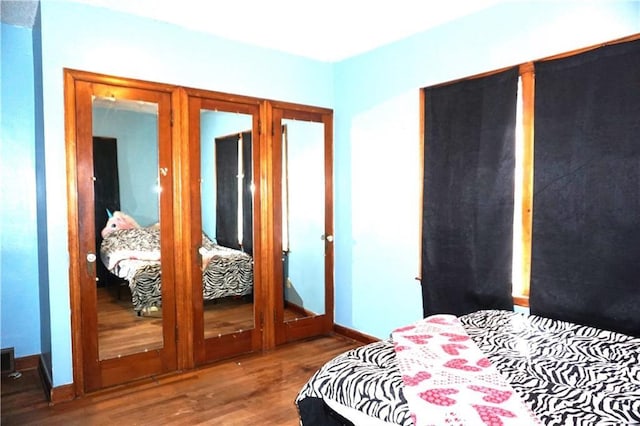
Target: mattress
column 566, row 374
column 134, row 254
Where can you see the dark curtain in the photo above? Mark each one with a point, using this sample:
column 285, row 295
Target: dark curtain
column 247, row 194
column 467, row 239
column 227, row 191
column 106, row 194
column 586, row 210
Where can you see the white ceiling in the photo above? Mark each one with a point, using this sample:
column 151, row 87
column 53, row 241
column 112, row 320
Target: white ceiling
column 327, row 30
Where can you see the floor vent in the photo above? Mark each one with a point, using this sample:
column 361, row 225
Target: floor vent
column 8, row 361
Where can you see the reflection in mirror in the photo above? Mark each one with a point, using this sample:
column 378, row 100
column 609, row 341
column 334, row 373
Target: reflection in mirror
column 227, row 221
column 303, row 195
column 126, row 197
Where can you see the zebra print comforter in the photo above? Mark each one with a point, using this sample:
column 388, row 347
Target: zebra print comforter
column 134, row 254
column 567, row 374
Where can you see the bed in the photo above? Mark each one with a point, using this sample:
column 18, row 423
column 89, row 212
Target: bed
column 563, row 373
column 134, row 255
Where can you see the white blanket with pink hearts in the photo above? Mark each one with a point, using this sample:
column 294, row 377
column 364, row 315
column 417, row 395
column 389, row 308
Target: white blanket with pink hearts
column 449, row 381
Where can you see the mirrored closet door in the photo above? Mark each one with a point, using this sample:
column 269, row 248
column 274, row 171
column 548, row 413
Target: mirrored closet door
column 200, row 226
column 122, row 232
column 304, row 284
column 223, row 146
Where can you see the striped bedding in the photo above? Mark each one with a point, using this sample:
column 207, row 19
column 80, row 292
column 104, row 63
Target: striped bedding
column 134, row 254
column 567, row 374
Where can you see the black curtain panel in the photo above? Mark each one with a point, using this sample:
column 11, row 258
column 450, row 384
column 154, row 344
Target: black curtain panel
column 227, row 191
column 106, row 189
column 247, row 193
column 586, row 209
column 467, row 239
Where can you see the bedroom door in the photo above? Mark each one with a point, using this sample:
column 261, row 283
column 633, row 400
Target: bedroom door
column 119, row 338
column 303, row 229
column 224, row 285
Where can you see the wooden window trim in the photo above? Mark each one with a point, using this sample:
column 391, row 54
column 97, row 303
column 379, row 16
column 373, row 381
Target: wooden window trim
column 527, row 76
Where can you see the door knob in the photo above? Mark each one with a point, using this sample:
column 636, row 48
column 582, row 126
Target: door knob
column 91, row 263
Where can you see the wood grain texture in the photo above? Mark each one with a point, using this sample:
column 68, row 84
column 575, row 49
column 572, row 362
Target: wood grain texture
column 122, row 332
column 109, row 348
column 249, row 390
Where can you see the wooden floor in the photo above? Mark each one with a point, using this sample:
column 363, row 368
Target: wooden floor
column 257, row 389
column 122, row 332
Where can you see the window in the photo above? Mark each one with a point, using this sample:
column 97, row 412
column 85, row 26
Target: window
column 234, row 191
column 523, row 189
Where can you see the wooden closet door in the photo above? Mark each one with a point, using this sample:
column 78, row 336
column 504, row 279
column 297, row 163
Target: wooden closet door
column 119, row 337
column 223, row 269
column 303, row 221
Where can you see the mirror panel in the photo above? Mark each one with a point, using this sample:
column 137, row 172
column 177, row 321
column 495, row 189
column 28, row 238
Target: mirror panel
column 226, row 199
column 126, row 196
column 303, row 218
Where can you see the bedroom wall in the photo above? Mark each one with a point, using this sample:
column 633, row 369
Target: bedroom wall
column 19, row 278
column 93, row 39
column 305, row 264
column 377, row 138
column 137, row 159
column 375, row 99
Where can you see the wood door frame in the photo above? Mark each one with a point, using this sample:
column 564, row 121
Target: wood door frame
column 78, row 143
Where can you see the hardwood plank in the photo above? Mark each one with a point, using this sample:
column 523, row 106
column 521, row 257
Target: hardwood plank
column 253, row 389
column 122, row 332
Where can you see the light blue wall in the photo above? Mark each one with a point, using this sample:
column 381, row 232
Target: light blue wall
column 377, row 165
column 20, row 306
column 306, row 185
column 137, row 141
column 93, row 39
column 41, row 196
column 375, row 99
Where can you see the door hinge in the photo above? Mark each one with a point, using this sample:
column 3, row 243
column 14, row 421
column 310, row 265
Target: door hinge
column 171, row 117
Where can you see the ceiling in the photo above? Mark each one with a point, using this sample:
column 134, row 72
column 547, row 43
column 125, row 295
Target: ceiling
column 328, row 30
